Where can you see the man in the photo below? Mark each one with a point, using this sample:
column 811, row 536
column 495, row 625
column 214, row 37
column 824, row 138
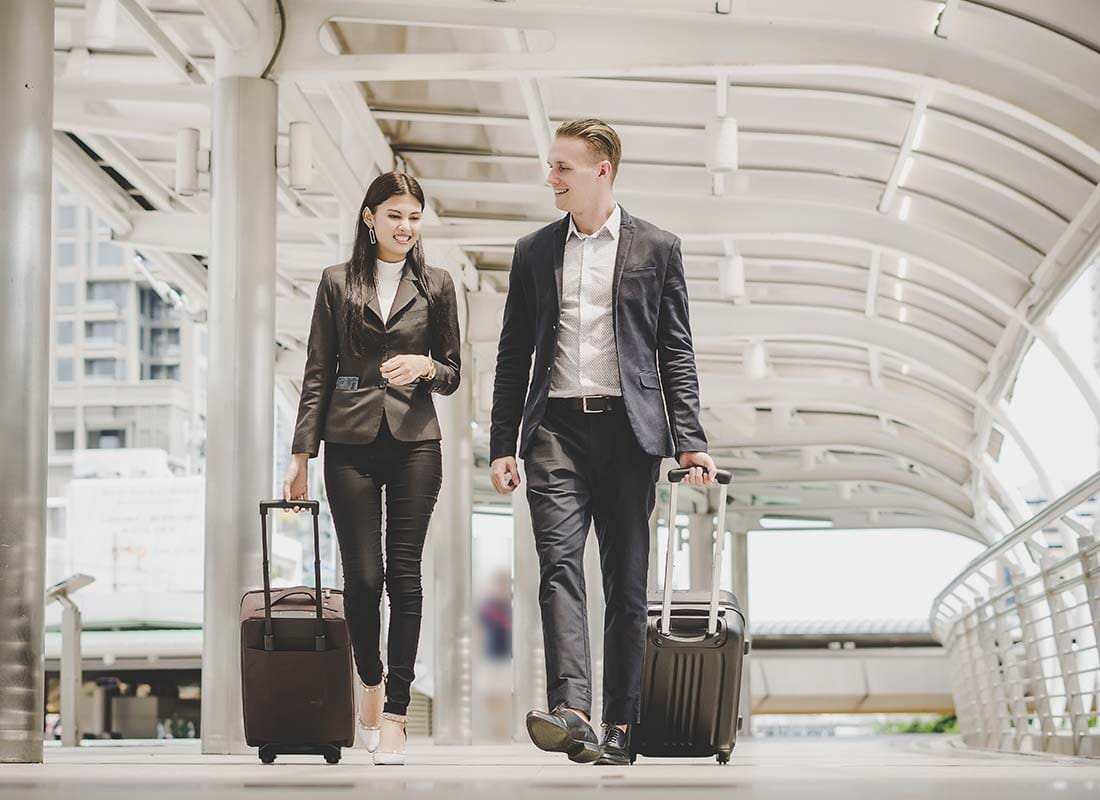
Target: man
column 600, row 298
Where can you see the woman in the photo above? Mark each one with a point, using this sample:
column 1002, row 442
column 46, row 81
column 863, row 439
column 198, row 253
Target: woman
column 384, row 336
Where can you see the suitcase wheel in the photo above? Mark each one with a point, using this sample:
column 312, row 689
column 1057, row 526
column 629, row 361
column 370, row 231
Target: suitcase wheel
column 633, row 757
column 723, row 758
column 267, row 755
column 333, row 758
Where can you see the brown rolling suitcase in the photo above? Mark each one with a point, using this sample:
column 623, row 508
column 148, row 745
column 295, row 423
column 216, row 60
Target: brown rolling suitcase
column 694, row 656
column 296, row 666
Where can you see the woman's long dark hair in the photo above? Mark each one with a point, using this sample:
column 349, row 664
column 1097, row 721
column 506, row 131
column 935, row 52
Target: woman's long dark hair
column 360, row 282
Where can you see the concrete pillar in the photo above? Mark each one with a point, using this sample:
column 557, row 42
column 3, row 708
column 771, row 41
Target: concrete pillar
column 701, row 550
column 1095, row 313
column 26, row 142
column 528, row 654
column 739, row 570
column 241, row 372
column 451, row 529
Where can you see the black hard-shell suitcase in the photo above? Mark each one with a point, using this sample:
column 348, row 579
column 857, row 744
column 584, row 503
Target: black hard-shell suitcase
column 296, row 665
column 694, row 655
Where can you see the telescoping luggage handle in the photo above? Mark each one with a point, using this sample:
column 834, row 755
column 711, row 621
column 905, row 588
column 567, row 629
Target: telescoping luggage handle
column 674, row 477
column 315, row 507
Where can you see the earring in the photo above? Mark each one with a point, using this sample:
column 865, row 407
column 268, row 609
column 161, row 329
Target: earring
column 370, row 233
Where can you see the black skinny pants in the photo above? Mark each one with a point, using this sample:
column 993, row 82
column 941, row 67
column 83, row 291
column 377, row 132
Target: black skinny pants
column 354, row 476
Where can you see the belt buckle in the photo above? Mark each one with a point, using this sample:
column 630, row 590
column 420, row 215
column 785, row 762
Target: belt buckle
column 587, row 410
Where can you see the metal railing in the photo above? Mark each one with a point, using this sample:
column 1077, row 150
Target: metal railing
column 71, row 661
column 1020, row 626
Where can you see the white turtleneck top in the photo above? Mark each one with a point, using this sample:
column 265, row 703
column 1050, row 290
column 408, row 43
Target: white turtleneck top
column 387, row 278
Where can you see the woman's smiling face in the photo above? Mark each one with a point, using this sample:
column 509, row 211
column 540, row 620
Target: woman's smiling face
column 396, row 225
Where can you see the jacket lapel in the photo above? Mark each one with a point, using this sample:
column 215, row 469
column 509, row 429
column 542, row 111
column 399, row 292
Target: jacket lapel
column 406, row 294
column 559, row 253
column 373, row 306
column 626, row 235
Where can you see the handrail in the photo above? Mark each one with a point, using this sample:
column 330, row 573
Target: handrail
column 71, row 662
column 1064, row 504
column 1023, row 646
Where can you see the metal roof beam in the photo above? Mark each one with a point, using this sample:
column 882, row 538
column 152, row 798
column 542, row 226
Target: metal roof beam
column 904, row 161
column 114, row 206
column 868, row 436
column 161, row 44
column 951, row 496
column 537, row 118
column 232, row 21
column 997, row 59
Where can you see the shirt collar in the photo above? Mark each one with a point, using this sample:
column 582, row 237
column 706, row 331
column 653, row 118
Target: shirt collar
column 611, row 226
column 392, row 270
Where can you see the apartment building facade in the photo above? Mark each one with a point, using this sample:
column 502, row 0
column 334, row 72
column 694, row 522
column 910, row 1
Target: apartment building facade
column 127, row 365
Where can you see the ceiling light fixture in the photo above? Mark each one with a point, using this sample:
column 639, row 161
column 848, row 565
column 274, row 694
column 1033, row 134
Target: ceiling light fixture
column 756, row 360
column 721, row 134
column 731, row 277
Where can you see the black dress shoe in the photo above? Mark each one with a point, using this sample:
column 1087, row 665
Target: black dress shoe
column 615, row 747
column 563, row 731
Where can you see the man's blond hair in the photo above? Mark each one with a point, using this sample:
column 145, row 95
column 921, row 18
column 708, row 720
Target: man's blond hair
column 600, row 137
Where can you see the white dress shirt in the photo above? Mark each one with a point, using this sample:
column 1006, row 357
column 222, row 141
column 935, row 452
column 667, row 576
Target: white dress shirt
column 586, row 361
column 386, row 280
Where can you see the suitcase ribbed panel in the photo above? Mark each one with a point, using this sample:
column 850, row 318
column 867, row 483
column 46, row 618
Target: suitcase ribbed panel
column 683, row 699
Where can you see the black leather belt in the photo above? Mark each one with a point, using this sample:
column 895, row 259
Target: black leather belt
column 589, row 404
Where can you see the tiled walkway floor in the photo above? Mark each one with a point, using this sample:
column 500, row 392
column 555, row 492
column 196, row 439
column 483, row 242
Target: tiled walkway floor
column 868, row 769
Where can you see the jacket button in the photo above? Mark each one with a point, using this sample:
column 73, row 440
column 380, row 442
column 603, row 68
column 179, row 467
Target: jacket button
column 548, row 369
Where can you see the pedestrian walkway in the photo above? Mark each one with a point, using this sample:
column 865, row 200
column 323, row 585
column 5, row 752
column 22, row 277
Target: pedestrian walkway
column 880, row 767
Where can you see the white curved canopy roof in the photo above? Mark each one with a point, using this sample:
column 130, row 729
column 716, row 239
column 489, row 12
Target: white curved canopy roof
column 917, row 188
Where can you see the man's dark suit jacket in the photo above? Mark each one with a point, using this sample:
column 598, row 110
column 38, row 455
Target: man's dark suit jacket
column 353, row 415
column 652, row 335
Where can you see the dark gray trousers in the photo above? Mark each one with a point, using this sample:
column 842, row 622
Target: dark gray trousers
column 583, row 468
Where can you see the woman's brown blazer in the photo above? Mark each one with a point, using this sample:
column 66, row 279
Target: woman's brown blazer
column 343, row 392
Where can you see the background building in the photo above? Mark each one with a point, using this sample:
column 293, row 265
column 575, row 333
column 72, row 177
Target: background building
column 128, row 360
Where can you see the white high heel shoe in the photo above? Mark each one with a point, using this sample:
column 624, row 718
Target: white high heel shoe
column 370, row 735
column 394, row 726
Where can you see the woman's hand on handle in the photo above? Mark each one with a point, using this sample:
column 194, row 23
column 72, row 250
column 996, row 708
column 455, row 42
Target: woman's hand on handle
column 296, row 481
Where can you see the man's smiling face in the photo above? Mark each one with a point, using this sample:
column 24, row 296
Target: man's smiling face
column 577, row 175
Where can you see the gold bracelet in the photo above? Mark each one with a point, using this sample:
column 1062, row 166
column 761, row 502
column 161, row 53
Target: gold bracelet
column 429, row 373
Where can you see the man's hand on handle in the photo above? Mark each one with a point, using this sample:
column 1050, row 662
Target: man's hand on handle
column 505, row 474
column 702, row 466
